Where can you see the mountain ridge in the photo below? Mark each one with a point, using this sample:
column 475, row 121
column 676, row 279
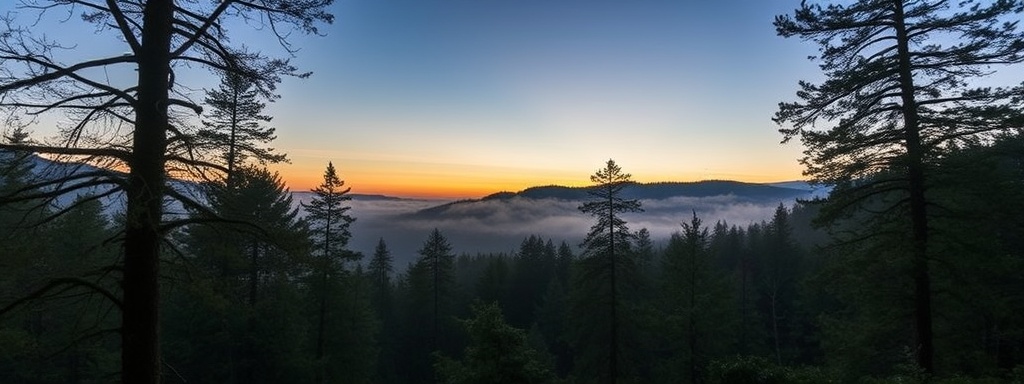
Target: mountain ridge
column 742, row 191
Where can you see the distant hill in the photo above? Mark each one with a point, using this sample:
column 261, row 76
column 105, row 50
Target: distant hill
column 739, row 191
column 305, row 196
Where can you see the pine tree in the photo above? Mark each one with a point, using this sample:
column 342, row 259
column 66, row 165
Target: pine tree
column 380, row 270
column 379, row 274
column 248, row 252
column 437, row 261
column 899, row 90
column 328, row 216
column 329, row 221
column 233, row 128
column 780, row 265
column 607, row 268
column 694, row 320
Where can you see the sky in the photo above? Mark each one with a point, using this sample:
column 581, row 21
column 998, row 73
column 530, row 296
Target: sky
column 463, row 98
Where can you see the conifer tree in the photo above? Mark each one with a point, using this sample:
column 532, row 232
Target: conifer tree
column 233, row 127
column 247, row 258
column 380, row 270
column 329, row 221
column 607, row 267
column 437, row 261
column 382, row 295
column 694, row 320
column 900, row 88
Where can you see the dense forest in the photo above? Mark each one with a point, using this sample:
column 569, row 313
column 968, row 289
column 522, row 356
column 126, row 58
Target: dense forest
column 284, row 301
column 908, row 271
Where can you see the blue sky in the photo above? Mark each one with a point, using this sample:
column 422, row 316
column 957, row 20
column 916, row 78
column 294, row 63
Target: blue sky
column 485, row 94
column 461, row 98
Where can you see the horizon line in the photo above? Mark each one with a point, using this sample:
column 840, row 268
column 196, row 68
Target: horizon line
column 456, row 197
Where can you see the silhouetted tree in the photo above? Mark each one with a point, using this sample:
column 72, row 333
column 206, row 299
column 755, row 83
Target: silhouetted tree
column 899, row 90
column 437, row 260
column 380, row 270
column 329, row 221
column 694, row 321
column 233, row 127
column 607, row 265
column 379, row 274
column 136, row 118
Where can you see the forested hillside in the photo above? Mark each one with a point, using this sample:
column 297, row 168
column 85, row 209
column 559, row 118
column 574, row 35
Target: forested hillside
column 275, row 303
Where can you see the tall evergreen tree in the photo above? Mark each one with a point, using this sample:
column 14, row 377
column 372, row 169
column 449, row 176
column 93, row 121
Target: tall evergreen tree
column 426, row 309
column 328, row 216
column 607, row 266
column 233, row 126
column 694, row 320
column 900, row 88
column 780, row 268
column 437, row 261
column 380, row 270
column 381, row 285
column 243, row 263
column 329, row 221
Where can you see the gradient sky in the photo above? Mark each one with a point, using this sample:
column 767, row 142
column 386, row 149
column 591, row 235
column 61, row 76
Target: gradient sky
column 462, row 98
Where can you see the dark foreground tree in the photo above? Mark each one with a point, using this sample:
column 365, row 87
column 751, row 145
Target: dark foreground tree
column 606, row 269
column 498, row 353
column 129, row 125
column 246, row 261
column 900, row 90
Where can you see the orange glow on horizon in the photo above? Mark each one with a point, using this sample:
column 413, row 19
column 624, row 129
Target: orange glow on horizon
column 462, row 183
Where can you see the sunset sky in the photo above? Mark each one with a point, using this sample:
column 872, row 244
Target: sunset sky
column 462, row 98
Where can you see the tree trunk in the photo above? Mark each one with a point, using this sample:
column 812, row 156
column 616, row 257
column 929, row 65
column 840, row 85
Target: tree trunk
column 743, row 304
column 613, row 367
column 254, row 278
column 692, row 334
column 321, row 324
column 775, row 322
column 140, row 344
column 918, row 202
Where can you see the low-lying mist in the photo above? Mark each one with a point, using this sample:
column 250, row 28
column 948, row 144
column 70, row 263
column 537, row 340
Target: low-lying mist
column 499, row 225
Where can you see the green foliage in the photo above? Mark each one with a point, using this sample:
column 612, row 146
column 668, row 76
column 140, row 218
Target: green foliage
column 497, row 353
column 236, row 317
column 760, row 370
column 746, row 370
